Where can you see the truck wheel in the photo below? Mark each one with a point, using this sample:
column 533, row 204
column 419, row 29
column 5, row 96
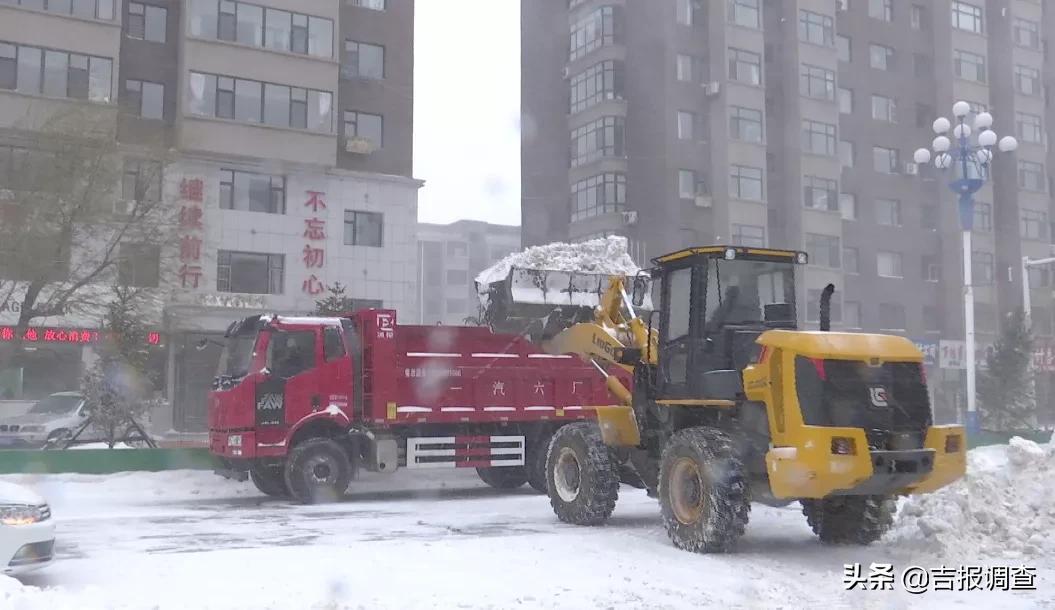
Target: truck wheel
column 702, row 491
column 504, row 477
column 317, row 471
column 536, row 463
column 270, row 480
column 582, row 481
column 850, row 519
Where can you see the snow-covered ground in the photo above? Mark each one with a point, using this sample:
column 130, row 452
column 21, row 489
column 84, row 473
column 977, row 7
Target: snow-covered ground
column 190, row 540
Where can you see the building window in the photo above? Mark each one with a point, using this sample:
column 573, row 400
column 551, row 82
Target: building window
column 745, row 13
column 251, row 192
column 982, row 268
column 823, row 250
column 884, row 108
column 139, row 265
column 848, row 206
column 880, row 57
column 689, row 184
column 89, row 9
column 851, row 314
column 252, row 101
column 922, row 65
column 377, row 5
column 144, row 99
column 967, row 17
column 884, row 160
column 745, row 124
column 1031, row 176
column 1026, row 33
column 363, row 60
column 850, row 260
column 918, row 18
column 881, row 9
column 690, row 69
column 363, row 228
column 928, row 216
column 968, row 66
column 250, row 272
column 1028, row 127
column 846, row 101
column 1033, row 224
column 818, row 138
column 888, row 264
column 745, row 182
column 846, row 153
column 983, row 216
column 930, row 267
column 1038, row 278
column 820, row 193
column 1027, row 80
column 37, row 71
column 365, row 126
column 888, row 212
column 752, row 236
column 596, row 140
column 686, row 12
column 686, row 123
column 599, row 28
column 141, row 180
column 146, row 22
column 843, row 48
column 745, row 67
column 817, row 82
column 269, row 28
column 816, row 28
column 892, row 316
column 598, row 83
column 457, row 248
column 597, row 195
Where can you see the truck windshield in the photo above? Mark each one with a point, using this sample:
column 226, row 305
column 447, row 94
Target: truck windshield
column 56, row 405
column 739, row 290
column 237, row 355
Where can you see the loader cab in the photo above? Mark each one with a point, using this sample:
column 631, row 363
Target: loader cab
column 714, row 302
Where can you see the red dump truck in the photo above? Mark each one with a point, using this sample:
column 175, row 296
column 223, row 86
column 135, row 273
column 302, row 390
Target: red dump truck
column 301, row 404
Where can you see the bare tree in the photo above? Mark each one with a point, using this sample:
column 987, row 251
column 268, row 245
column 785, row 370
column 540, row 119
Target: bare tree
column 71, row 198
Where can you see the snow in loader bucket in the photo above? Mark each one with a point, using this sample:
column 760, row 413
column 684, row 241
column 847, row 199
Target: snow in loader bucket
column 553, row 298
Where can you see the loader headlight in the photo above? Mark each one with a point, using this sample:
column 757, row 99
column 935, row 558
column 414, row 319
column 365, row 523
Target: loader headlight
column 952, row 443
column 842, row 445
column 802, row 258
column 730, row 254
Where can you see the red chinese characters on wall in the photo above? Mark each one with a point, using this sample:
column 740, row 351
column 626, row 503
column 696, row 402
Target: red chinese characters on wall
column 314, row 254
column 65, row 335
column 191, row 227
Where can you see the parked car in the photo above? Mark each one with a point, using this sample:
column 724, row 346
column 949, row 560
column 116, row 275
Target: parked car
column 27, row 532
column 49, row 420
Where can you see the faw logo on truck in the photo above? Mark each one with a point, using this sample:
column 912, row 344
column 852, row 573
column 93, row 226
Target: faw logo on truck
column 270, row 403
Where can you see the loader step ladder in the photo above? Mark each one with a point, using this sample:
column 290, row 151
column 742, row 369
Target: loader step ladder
column 465, row 451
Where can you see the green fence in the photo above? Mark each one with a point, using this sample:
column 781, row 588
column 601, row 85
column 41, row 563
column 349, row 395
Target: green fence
column 105, row 461
column 988, row 437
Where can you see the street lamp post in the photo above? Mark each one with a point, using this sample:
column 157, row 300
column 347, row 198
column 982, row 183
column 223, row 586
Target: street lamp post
column 972, row 161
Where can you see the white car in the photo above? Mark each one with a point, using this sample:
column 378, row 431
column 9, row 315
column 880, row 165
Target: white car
column 49, row 419
column 27, row 532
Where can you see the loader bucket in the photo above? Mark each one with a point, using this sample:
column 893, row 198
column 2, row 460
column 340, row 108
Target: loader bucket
column 542, row 302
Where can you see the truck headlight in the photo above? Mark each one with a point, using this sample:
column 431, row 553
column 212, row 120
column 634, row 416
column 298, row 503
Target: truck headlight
column 234, row 440
column 21, row 514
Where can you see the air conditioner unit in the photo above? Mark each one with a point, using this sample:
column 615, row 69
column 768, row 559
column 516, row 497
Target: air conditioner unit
column 359, row 146
column 703, row 200
column 630, row 217
column 911, row 169
column 712, row 88
column 124, row 207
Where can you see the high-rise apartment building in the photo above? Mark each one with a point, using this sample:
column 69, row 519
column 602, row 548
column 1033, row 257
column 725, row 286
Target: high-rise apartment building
column 288, row 131
column 792, row 124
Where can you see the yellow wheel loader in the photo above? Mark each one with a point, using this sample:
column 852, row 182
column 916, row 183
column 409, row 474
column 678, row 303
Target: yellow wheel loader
column 730, row 403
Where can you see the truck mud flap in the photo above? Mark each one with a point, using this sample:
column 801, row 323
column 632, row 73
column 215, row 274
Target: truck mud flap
column 465, row 451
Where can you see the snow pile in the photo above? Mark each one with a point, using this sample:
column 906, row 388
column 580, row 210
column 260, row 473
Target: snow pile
column 1004, row 507
column 608, row 255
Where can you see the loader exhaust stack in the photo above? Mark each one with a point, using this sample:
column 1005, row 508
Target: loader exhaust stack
column 826, row 307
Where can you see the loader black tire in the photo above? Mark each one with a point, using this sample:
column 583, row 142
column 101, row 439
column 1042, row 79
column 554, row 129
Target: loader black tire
column 270, row 480
column 582, row 479
column 536, row 463
column 318, row 471
column 504, row 477
column 850, row 519
column 703, row 491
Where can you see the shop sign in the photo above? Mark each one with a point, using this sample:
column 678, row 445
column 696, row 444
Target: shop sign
column 191, row 227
